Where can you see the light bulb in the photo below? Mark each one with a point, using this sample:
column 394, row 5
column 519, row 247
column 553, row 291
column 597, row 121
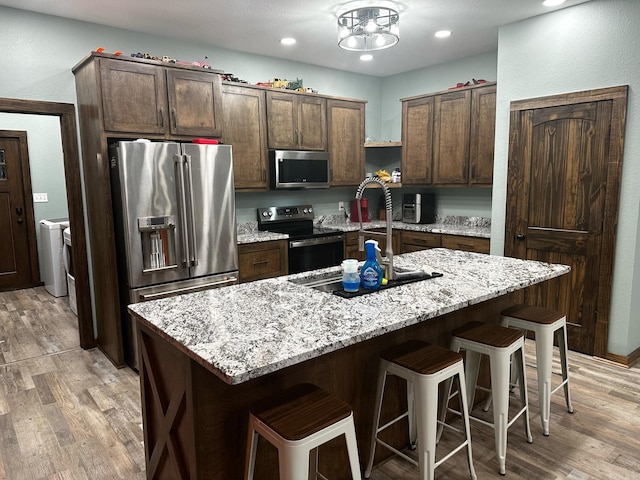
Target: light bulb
column 372, row 26
column 352, row 42
column 380, row 41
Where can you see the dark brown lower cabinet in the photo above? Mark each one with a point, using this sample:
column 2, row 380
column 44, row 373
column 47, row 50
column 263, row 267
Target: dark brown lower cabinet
column 263, row 260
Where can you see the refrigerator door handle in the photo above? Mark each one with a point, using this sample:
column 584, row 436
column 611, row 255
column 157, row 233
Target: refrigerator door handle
column 192, row 289
column 193, row 257
column 182, row 205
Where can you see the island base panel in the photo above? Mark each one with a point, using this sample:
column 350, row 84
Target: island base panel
column 195, row 424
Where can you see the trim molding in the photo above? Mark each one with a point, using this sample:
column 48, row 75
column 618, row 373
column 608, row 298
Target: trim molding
column 626, row 360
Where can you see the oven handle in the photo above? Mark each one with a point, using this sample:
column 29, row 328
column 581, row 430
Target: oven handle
column 315, row 241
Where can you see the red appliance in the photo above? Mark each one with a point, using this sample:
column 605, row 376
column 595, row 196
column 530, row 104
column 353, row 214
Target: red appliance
column 364, row 206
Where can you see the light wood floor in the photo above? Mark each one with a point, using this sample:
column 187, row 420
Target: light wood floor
column 67, row 413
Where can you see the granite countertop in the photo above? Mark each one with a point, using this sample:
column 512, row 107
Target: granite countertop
column 246, row 331
column 465, row 226
column 449, row 225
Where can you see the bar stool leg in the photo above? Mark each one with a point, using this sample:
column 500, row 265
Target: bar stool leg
column 293, row 463
column 427, row 398
column 500, row 391
column 465, row 418
column 352, row 450
column 563, row 347
column 411, row 412
column 544, row 356
column 524, row 398
column 382, row 376
column 472, row 367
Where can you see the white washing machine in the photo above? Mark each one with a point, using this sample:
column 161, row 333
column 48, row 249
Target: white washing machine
column 68, row 267
column 55, row 277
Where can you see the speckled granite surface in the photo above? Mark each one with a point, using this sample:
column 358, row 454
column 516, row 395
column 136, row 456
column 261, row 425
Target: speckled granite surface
column 466, row 226
column 450, row 225
column 249, row 330
column 248, row 233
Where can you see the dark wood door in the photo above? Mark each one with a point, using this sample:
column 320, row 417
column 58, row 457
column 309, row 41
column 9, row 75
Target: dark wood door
column 562, row 196
column 245, row 130
column 18, row 255
column 312, row 123
column 451, row 138
column 134, row 97
column 195, row 103
column 282, row 121
column 417, row 140
column 346, row 145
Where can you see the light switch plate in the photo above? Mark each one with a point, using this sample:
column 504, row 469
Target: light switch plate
column 40, row 198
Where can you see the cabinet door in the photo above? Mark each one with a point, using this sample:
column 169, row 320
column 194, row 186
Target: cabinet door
column 417, row 141
column 134, row 97
column 312, row 123
column 346, row 142
column 482, row 138
column 262, row 260
column 195, row 103
column 282, row 121
column 414, row 241
column 451, row 138
column 245, row 130
column 469, row 244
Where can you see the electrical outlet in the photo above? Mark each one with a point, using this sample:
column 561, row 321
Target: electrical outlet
column 40, row 198
column 341, row 206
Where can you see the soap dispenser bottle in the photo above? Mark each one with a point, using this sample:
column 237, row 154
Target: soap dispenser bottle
column 371, row 273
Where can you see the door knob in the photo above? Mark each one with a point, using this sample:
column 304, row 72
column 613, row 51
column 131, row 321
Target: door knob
column 20, row 221
column 520, row 236
column 19, row 211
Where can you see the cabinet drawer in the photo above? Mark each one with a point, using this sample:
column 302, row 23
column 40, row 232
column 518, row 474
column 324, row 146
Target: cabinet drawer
column 470, row 244
column 262, row 260
column 420, row 239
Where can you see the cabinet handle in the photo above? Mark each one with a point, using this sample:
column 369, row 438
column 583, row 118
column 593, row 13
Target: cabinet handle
column 174, row 118
column 264, row 175
column 301, row 138
column 161, row 115
column 261, row 262
column 295, row 133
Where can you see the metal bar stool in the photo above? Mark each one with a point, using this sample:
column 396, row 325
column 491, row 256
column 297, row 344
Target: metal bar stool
column 544, row 322
column 297, row 423
column 499, row 344
column 424, row 367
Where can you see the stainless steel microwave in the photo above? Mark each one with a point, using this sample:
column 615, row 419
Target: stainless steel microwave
column 295, row 169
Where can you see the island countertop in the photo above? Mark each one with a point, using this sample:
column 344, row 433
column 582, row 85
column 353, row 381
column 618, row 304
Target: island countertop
column 245, row 331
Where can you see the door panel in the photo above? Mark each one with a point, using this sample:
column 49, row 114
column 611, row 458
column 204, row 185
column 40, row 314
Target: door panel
column 18, row 250
column 558, row 173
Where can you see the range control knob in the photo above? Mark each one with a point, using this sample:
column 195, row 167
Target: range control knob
column 310, row 210
column 304, row 210
column 264, row 214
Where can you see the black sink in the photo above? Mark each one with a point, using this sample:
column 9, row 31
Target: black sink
column 333, row 284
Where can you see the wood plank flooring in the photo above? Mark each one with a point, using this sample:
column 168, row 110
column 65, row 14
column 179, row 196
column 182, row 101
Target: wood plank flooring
column 68, row 414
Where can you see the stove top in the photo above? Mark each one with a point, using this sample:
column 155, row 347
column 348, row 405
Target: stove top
column 296, row 221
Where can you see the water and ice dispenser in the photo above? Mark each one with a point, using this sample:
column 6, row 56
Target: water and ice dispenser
column 158, row 242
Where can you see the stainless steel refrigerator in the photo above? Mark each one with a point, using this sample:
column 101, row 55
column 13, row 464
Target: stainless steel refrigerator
column 175, row 222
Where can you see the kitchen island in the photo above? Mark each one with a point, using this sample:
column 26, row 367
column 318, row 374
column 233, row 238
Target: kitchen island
column 207, row 356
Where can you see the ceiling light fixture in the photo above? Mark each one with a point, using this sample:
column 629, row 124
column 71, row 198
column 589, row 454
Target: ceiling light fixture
column 288, row 41
column 370, row 28
column 367, row 57
column 552, row 3
column 443, row 34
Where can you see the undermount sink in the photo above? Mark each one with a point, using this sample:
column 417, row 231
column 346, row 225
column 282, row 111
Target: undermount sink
column 333, row 284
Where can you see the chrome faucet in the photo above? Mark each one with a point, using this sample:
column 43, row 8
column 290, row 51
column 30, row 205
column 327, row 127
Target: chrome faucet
column 387, row 260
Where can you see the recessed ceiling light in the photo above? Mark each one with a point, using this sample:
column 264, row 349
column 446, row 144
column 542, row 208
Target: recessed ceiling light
column 288, row 41
column 552, row 3
column 443, row 34
column 366, row 57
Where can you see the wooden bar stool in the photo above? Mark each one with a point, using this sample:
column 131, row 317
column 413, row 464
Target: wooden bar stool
column 499, row 344
column 296, row 423
column 424, row 367
column 544, row 322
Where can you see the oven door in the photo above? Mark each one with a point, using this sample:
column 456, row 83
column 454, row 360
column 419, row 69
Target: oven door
column 313, row 253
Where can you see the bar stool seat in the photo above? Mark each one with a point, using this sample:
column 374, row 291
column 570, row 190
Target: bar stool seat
column 297, row 422
column 424, row 367
column 499, row 344
column 545, row 323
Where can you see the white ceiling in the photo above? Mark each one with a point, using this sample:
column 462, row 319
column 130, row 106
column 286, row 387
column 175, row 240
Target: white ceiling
column 256, row 26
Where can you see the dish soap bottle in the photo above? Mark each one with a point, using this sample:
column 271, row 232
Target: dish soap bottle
column 371, row 272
